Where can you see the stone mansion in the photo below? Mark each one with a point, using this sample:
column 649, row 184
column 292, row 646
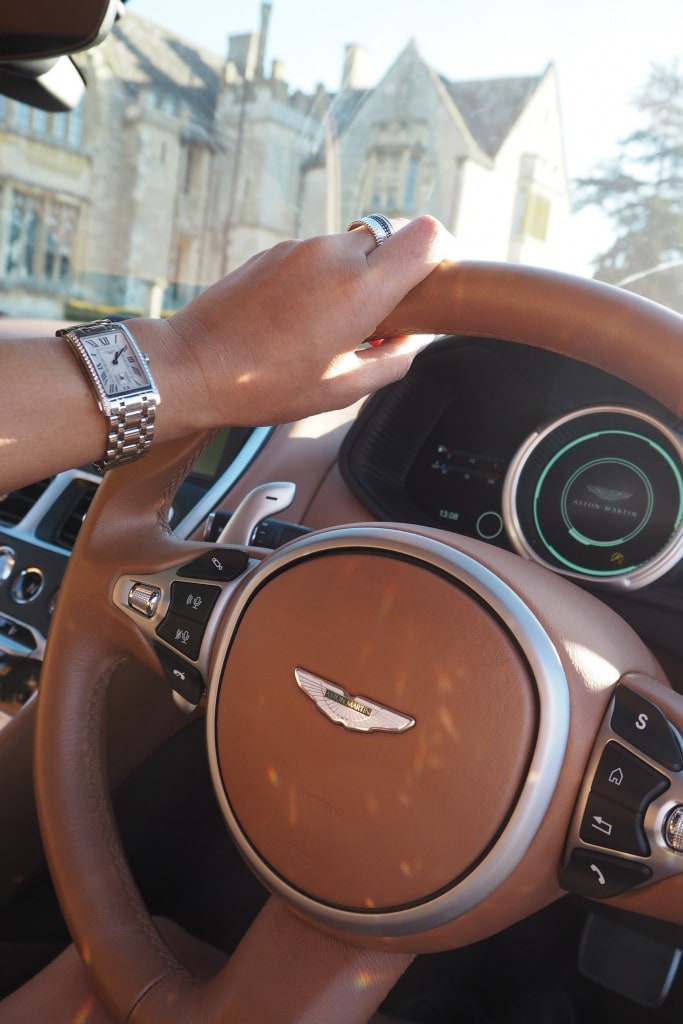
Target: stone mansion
column 178, row 165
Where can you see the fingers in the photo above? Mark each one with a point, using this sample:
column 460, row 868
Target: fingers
column 399, row 346
column 374, row 229
column 392, row 359
column 394, row 267
column 368, row 369
column 406, row 258
column 413, row 251
column 277, row 338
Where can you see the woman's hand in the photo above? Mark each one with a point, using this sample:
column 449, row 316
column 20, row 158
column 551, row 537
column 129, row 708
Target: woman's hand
column 278, row 338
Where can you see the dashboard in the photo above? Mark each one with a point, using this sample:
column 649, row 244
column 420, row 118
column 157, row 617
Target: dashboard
column 537, row 453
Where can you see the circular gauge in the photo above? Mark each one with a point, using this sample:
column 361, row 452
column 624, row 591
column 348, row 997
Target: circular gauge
column 598, row 494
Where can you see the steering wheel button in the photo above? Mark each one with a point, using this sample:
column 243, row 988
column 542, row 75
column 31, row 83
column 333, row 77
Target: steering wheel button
column 608, row 824
column 640, row 723
column 193, row 600
column 183, row 634
column 144, row 598
column 220, row 565
column 181, row 677
column 627, row 780
column 600, row 876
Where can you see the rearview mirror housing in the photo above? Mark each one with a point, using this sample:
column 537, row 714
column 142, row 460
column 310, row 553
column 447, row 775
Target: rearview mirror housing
column 36, row 37
column 35, row 29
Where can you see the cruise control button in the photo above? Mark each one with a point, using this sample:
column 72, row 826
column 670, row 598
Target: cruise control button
column 183, row 634
column 220, row 565
column 600, row 876
column 624, row 778
column 640, row 723
column 193, row 600
column 618, row 828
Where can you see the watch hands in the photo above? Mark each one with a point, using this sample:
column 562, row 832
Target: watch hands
column 117, row 354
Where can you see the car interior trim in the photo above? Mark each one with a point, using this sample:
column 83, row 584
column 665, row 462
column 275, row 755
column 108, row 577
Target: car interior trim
column 206, row 504
column 27, row 529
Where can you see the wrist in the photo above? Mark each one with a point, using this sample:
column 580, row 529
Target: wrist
column 184, row 406
column 118, row 375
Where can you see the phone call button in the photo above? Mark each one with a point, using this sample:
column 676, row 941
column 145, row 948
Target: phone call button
column 600, row 876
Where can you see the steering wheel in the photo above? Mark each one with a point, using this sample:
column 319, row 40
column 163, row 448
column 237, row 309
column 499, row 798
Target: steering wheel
column 399, row 719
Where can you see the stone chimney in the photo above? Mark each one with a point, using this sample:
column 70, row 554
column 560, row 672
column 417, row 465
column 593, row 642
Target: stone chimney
column 357, row 69
column 243, row 51
column 266, row 10
column 247, row 51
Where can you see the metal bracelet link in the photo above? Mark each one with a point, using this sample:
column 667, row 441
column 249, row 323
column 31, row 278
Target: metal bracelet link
column 131, row 432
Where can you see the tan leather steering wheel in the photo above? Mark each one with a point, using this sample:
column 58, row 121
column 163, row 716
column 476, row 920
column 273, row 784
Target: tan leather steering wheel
column 383, row 843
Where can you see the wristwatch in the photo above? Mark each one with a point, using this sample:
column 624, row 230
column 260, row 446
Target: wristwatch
column 119, row 377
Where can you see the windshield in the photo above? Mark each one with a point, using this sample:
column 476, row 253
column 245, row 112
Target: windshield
column 540, row 133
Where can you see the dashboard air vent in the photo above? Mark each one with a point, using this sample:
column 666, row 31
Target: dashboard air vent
column 74, row 507
column 16, row 505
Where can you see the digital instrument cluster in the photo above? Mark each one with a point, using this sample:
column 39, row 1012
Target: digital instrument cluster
column 564, row 464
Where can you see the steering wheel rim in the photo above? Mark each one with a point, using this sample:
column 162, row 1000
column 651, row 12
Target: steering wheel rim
column 133, row 970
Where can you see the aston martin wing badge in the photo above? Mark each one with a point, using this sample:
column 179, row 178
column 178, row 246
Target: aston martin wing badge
column 357, row 713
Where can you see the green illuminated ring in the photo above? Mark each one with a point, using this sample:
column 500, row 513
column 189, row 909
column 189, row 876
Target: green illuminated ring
column 631, row 577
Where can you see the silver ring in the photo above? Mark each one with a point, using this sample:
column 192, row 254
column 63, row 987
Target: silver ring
column 379, row 226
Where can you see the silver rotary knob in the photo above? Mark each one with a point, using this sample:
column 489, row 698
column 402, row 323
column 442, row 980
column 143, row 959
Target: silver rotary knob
column 144, row 598
column 673, row 829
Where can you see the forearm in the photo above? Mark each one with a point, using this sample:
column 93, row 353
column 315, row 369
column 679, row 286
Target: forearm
column 49, row 418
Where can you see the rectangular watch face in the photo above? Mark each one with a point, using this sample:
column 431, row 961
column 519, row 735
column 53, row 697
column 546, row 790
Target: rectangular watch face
column 116, row 363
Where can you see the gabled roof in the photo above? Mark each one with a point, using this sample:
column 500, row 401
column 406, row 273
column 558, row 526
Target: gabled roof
column 488, row 108
column 491, row 106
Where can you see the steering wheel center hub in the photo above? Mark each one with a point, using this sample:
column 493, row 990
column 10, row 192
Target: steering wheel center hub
column 370, row 748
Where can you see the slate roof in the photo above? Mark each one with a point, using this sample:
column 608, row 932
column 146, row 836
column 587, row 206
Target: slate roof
column 143, row 54
column 343, row 106
column 491, row 106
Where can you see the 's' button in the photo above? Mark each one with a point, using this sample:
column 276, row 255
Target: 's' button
column 643, row 725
